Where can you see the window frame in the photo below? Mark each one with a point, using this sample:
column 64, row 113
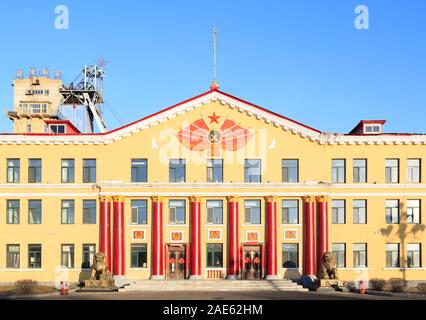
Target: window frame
column 89, row 171
column 342, row 254
column 90, row 253
column 338, row 215
column 38, row 255
column 18, row 215
column 143, row 252
column 338, row 170
column 248, row 168
column 70, row 211
column 134, row 206
column 94, row 208
column 357, row 255
column 38, row 213
column 70, row 171
column 212, row 166
column 409, row 174
column 11, row 264
column 289, row 213
column 358, row 207
column 398, row 257
column 175, row 222
column 286, row 179
column 71, row 256
column 211, row 255
column 390, row 178
column 16, row 170
column 288, row 252
column 251, row 211
column 213, row 221
column 35, row 171
column 389, row 217
column 139, row 172
column 174, row 169
column 365, row 167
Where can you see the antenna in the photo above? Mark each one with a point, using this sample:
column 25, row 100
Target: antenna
column 214, row 85
column 214, row 52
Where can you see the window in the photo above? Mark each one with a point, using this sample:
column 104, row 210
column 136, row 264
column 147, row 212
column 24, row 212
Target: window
column 290, row 211
column 89, row 251
column 67, row 211
column 413, row 211
column 360, row 255
column 252, row 211
column 34, row 211
column 338, row 211
column 67, row 170
column 339, row 253
column 290, row 170
column 13, row 170
column 34, row 170
column 392, row 255
column 360, row 211
column 414, row 255
column 13, row 256
column 392, row 211
column 392, row 170
column 214, row 170
column 139, row 212
column 214, row 211
column 338, row 171
column 413, row 170
column 214, row 255
column 89, row 211
column 372, row 128
column 57, row 128
column 67, row 256
column 139, row 256
column 89, row 170
column 34, row 256
column 13, row 216
column 177, row 211
column 177, row 170
column 290, row 255
column 360, row 170
column 252, row 169
column 139, row 170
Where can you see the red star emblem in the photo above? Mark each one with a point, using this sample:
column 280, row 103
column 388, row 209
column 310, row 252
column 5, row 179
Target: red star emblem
column 214, row 118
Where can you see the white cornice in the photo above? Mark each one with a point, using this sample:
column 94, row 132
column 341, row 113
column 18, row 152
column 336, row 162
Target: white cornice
column 180, row 109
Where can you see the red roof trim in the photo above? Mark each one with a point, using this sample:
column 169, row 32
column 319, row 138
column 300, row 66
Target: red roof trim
column 270, row 112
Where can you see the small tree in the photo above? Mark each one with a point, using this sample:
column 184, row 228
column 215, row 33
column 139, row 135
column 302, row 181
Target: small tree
column 25, row 286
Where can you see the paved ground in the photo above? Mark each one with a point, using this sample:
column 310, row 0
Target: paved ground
column 261, row 295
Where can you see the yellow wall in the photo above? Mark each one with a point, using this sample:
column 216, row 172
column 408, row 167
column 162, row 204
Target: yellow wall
column 114, row 175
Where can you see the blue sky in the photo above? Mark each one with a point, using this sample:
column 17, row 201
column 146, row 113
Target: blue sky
column 302, row 59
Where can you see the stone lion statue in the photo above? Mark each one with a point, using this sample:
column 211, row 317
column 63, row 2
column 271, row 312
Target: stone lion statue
column 327, row 269
column 99, row 268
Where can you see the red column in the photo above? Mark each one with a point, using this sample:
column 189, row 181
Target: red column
column 233, row 239
column 271, row 238
column 309, row 259
column 195, row 239
column 105, row 229
column 157, row 256
column 322, row 226
column 118, row 264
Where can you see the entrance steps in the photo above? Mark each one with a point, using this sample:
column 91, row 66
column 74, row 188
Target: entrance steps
column 213, row 285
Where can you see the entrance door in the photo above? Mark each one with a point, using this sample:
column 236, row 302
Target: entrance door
column 176, row 262
column 252, row 263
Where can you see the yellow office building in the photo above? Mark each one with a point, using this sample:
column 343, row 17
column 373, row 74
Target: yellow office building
column 212, row 187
